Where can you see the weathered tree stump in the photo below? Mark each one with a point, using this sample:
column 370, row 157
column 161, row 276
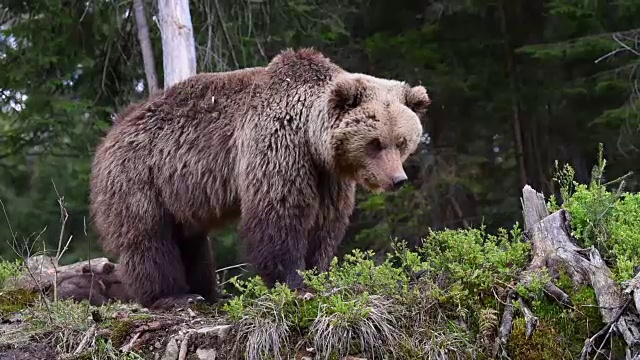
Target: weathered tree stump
column 553, row 247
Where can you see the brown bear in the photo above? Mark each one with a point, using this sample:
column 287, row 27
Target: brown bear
column 279, row 147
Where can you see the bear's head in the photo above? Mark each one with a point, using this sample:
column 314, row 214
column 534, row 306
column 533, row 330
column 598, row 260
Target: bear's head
column 376, row 126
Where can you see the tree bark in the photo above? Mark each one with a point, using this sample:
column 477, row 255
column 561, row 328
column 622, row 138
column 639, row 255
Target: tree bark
column 145, row 46
column 178, row 44
column 42, row 271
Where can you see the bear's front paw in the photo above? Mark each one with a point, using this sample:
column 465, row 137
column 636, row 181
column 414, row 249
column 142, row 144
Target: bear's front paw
column 182, row 301
column 307, row 296
column 305, row 293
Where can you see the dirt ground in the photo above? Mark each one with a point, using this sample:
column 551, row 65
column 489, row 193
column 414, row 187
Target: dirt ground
column 161, row 335
column 28, row 352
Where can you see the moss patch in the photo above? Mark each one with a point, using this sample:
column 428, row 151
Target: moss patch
column 206, row 309
column 120, row 330
column 546, row 343
column 15, row 300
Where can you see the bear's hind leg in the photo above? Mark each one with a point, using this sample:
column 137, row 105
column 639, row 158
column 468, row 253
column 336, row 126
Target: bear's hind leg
column 200, row 267
column 153, row 270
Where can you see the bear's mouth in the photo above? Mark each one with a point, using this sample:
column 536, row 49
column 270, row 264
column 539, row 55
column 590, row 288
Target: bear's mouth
column 371, row 186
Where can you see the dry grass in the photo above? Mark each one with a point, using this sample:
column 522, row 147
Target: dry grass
column 264, row 329
column 429, row 333
column 355, row 327
column 62, row 325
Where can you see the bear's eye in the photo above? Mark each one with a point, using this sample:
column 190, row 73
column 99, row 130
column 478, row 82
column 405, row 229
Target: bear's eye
column 375, row 144
column 402, row 144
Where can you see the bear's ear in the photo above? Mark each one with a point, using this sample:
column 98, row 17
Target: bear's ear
column 417, row 99
column 347, row 94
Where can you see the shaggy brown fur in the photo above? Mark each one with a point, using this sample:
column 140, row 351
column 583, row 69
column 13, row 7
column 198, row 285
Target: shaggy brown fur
column 280, row 147
column 97, row 286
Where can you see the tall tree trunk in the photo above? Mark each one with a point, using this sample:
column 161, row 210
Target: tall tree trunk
column 145, row 46
column 513, row 85
column 178, row 44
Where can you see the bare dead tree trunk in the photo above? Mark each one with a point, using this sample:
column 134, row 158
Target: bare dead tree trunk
column 178, row 44
column 145, row 46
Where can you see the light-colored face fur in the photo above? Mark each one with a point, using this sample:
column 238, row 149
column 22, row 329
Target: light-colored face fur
column 378, row 127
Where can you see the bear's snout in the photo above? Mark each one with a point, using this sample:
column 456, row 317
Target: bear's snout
column 399, row 180
column 390, row 173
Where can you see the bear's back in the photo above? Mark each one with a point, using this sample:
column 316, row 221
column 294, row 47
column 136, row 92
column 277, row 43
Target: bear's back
column 185, row 141
column 201, row 98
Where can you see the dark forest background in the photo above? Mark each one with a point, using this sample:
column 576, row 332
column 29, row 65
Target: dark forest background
column 516, row 86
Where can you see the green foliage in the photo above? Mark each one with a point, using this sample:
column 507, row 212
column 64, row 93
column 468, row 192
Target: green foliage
column 364, row 304
column 470, row 262
column 578, row 48
column 606, row 219
column 120, row 330
column 9, row 269
column 359, row 270
column 443, row 297
column 13, row 300
column 548, row 343
column 66, row 67
column 561, row 330
column 610, row 222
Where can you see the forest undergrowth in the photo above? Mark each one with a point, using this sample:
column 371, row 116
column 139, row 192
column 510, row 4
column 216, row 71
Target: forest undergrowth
column 441, row 300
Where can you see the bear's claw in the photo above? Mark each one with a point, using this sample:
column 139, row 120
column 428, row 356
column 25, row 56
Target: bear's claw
column 305, row 293
column 197, row 298
column 177, row 301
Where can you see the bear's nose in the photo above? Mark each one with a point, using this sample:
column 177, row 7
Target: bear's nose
column 398, row 181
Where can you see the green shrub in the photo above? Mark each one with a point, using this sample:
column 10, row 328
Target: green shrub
column 611, row 223
column 408, row 304
column 9, row 269
column 444, row 299
column 607, row 219
column 469, row 263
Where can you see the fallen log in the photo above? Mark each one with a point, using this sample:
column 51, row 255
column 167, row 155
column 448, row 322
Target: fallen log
column 95, row 280
column 553, row 247
column 42, row 271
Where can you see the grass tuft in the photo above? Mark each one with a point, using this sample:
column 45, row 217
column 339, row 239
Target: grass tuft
column 351, row 326
column 264, row 327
